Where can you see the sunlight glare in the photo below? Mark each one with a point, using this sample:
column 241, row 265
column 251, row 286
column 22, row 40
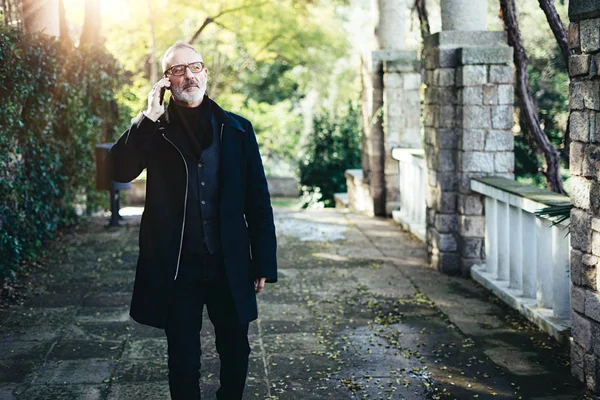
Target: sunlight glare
column 112, row 11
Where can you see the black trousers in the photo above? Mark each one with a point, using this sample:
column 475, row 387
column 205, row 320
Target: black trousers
column 202, row 280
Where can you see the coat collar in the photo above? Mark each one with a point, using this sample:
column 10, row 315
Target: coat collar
column 222, row 116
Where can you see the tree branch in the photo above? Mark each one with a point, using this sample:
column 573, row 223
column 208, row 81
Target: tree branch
column 211, row 19
column 247, row 62
column 206, row 22
column 90, row 32
column 558, row 29
column 528, row 110
column 423, row 18
column 65, row 38
column 560, row 33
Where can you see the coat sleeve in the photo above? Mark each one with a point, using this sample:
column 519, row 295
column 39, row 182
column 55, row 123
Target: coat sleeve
column 259, row 213
column 129, row 156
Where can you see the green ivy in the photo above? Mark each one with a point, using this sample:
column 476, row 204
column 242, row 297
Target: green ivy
column 334, row 147
column 57, row 104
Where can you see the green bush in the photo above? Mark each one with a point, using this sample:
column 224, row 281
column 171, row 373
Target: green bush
column 333, row 147
column 57, row 103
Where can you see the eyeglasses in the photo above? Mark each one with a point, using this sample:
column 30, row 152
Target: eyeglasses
column 179, row 69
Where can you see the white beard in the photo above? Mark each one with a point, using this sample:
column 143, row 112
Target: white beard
column 189, row 96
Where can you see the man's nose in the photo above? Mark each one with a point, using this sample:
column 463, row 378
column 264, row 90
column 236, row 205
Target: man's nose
column 188, row 73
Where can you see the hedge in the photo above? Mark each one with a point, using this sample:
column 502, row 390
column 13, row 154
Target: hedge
column 55, row 101
column 333, row 147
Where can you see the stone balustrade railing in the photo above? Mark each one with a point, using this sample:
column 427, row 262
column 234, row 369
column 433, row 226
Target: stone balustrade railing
column 359, row 195
column 526, row 256
column 411, row 177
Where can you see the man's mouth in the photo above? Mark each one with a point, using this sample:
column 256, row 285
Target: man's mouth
column 192, row 85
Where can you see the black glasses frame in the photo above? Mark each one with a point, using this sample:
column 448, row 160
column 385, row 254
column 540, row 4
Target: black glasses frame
column 169, row 71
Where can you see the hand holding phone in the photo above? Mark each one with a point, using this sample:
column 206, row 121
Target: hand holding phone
column 156, row 99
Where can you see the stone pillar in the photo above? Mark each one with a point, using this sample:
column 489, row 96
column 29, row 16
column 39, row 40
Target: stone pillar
column 402, row 110
column 484, row 79
column 390, row 33
column 464, row 15
column 584, row 103
column 390, row 29
column 468, row 120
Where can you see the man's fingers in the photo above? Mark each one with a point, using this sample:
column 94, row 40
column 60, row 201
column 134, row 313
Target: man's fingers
column 259, row 284
column 164, row 82
column 155, row 107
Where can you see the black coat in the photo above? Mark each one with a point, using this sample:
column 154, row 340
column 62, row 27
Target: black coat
column 247, row 227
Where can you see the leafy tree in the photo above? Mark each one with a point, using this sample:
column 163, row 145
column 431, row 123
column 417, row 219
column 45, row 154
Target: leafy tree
column 278, row 128
column 258, row 33
column 263, row 58
column 269, row 82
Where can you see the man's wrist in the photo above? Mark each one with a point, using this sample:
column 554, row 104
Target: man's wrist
column 151, row 116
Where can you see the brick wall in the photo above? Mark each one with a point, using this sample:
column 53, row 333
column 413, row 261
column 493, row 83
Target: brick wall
column 584, row 103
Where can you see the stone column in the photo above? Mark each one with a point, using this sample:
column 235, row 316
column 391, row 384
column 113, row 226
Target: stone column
column 391, row 25
column 402, row 110
column 401, row 98
column 584, row 102
column 485, row 146
column 390, row 33
column 464, row 15
column 468, row 116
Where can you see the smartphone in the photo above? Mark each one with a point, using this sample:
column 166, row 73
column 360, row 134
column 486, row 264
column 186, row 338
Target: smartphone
column 162, row 95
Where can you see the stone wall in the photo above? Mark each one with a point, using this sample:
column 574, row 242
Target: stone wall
column 282, row 186
column 468, row 120
column 393, row 105
column 484, row 79
column 584, row 103
column 402, row 116
column 359, row 195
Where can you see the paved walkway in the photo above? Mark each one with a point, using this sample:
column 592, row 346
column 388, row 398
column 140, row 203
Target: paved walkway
column 356, row 315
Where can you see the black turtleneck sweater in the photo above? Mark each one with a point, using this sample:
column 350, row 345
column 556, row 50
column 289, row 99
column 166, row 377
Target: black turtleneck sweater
column 196, row 124
column 199, row 144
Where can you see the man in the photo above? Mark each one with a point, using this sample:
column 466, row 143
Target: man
column 207, row 235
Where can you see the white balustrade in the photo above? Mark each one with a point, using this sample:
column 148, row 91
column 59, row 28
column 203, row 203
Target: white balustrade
column 411, row 166
column 503, row 232
column 527, row 258
column 561, row 274
column 515, row 273
column 544, row 263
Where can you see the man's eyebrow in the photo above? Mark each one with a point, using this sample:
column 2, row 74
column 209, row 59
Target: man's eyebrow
column 193, row 62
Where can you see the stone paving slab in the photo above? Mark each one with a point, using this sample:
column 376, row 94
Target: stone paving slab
column 64, row 372
column 356, row 314
column 60, row 392
column 139, row 390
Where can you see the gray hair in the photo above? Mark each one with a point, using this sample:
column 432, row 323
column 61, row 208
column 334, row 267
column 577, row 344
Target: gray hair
column 171, row 50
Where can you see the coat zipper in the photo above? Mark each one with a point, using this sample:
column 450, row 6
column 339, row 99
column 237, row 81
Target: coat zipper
column 221, row 139
column 184, row 203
